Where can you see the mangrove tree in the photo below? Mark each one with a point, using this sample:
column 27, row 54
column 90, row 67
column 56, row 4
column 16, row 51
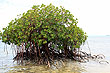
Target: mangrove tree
column 45, row 33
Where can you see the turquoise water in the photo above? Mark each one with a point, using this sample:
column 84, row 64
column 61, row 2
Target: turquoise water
column 97, row 45
column 6, row 57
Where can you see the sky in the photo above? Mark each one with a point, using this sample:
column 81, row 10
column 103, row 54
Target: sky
column 93, row 15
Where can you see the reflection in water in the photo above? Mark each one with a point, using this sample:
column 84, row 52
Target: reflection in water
column 69, row 67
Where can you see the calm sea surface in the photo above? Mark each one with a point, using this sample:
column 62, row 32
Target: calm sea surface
column 97, row 45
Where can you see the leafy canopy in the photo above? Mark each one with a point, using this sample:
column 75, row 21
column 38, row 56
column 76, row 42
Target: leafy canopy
column 0, row 35
column 43, row 25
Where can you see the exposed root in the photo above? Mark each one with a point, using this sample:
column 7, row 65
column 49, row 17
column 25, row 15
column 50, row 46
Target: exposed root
column 48, row 64
column 104, row 62
column 62, row 62
column 54, row 55
column 47, row 56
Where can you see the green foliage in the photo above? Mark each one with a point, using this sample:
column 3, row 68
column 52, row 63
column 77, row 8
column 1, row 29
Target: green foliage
column 43, row 25
column 0, row 35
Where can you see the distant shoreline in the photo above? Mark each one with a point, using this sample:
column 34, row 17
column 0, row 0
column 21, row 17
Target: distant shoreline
column 98, row 35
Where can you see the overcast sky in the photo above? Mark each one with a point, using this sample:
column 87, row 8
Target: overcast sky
column 93, row 15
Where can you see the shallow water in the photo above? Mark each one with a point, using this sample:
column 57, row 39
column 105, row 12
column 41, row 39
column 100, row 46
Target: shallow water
column 70, row 67
column 98, row 45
